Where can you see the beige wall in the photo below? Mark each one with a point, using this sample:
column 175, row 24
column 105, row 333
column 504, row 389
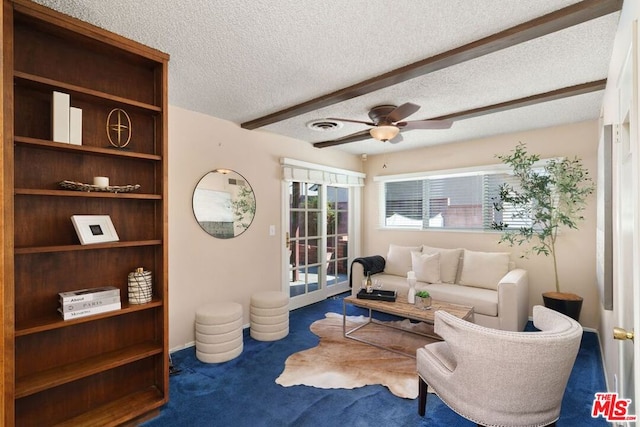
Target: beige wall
column 202, row 268
column 575, row 249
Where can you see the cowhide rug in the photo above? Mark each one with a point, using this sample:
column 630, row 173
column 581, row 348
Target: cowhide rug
column 339, row 362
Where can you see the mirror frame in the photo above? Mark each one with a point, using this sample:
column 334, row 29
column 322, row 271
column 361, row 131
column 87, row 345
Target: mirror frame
column 223, row 203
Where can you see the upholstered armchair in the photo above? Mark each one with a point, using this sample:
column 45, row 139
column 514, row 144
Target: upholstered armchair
column 500, row 378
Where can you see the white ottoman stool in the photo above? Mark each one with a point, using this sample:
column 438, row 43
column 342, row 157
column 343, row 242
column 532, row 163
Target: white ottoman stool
column 219, row 332
column 269, row 315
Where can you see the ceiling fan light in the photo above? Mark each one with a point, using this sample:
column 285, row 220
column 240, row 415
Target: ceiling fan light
column 384, row 133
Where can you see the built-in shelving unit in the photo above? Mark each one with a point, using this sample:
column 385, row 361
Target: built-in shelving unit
column 109, row 368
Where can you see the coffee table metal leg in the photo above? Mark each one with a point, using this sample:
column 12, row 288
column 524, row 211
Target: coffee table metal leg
column 348, row 334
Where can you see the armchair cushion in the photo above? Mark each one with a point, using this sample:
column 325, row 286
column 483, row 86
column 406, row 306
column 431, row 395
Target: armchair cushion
column 439, row 351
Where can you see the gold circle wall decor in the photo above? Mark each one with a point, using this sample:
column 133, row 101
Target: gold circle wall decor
column 119, row 126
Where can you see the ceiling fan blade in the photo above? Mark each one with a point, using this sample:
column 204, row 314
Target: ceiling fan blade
column 351, row 121
column 358, row 136
column 405, row 110
column 425, row 124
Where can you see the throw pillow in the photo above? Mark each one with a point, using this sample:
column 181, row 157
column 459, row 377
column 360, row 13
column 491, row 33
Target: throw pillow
column 426, row 267
column 449, row 260
column 484, row 269
column 398, row 260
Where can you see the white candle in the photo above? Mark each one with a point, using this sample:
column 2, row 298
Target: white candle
column 411, row 275
column 101, row 181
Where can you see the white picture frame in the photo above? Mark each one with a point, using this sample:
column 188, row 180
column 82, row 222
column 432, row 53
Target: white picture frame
column 94, row 229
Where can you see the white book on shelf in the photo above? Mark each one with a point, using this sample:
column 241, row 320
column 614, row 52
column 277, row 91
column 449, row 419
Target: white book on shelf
column 83, row 305
column 75, row 126
column 89, row 311
column 88, row 294
column 60, row 116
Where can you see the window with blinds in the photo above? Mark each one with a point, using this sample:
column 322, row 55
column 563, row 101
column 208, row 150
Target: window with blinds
column 462, row 201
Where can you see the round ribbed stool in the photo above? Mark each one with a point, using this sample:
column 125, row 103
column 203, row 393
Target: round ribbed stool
column 269, row 315
column 219, row 332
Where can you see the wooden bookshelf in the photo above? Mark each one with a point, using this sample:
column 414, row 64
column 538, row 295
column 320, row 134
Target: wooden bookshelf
column 110, row 368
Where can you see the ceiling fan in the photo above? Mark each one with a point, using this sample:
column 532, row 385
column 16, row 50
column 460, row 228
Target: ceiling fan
column 386, row 125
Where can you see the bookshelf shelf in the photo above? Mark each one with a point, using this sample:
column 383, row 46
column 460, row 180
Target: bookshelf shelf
column 80, row 92
column 100, row 151
column 70, row 193
column 42, row 381
column 130, row 404
column 110, row 368
column 93, row 247
column 54, row 321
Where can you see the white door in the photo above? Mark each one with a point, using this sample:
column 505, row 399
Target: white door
column 316, row 249
column 321, row 211
column 627, row 271
column 306, row 256
column 339, row 235
column 627, row 220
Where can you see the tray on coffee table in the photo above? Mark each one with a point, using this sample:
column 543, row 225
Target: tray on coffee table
column 379, row 294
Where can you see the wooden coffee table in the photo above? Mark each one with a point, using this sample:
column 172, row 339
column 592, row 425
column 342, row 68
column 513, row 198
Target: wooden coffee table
column 400, row 308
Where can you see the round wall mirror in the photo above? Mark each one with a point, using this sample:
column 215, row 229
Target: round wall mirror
column 224, row 204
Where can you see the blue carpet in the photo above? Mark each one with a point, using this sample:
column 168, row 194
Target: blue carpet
column 243, row 392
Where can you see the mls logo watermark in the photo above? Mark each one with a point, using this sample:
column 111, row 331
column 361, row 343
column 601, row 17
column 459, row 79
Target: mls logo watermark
column 611, row 407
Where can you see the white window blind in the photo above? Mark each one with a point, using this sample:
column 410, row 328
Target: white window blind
column 507, row 214
column 404, row 203
column 456, row 200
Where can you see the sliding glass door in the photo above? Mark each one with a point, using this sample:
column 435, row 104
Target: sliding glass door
column 321, row 212
column 317, row 241
column 305, row 239
column 337, row 218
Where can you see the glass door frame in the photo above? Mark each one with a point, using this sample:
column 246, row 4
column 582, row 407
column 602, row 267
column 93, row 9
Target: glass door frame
column 319, row 260
column 338, row 256
column 354, row 233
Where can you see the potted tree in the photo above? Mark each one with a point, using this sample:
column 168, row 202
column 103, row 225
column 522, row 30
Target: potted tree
column 546, row 197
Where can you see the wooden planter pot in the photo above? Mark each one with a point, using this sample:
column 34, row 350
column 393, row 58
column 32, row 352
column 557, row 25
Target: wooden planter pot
column 565, row 303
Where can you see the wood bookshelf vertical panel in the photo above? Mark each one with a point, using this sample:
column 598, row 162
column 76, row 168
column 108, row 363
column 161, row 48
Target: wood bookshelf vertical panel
column 109, row 368
column 7, row 367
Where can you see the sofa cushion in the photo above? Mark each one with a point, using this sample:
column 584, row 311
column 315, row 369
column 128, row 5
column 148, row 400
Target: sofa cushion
column 484, row 269
column 483, row 301
column 398, row 260
column 449, row 260
column 426, row 267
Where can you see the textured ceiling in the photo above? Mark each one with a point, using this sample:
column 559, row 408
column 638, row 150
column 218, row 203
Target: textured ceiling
column 241, row 60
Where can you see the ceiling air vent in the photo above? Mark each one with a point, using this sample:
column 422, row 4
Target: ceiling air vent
column 324, row 125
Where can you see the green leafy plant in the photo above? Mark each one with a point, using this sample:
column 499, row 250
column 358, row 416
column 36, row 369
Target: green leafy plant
column 423, row 294
column 244, row 207
column 548, row 197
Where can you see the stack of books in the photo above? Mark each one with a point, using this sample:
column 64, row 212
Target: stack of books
column 86, row 302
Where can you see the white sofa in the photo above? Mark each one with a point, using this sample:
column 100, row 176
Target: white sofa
column 488, row 281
